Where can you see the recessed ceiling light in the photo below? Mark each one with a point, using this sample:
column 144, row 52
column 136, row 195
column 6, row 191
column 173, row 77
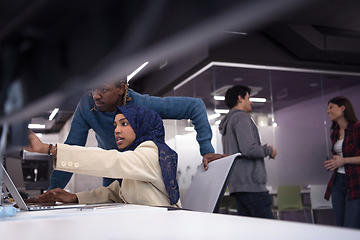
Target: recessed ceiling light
column 214, row 116
column 235, row 32
column 313, row 84
column 136, row 71
column 36, row 126
column 52, row 115
column 253, row 99
column 189, row 129
column 219, row 98
column 282, row 94
column 221, row 111
column 39, row 135
column 238, row 79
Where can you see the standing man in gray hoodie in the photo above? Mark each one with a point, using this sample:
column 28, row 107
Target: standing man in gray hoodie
column 240, row 134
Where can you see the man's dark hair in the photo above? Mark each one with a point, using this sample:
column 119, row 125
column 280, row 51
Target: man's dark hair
column 231, row 96
column 122, row 79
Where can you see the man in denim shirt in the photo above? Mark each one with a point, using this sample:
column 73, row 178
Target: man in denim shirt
column 96, row 110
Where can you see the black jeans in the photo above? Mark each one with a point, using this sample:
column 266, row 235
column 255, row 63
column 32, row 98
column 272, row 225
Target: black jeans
column 257, row 204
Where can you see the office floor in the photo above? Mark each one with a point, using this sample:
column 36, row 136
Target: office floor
column 322, row 217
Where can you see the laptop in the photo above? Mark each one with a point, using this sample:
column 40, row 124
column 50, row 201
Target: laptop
column 38, row 206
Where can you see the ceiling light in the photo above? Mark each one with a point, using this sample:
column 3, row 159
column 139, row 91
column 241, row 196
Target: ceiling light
column 234, row 32
column 189, row 129
column 274, row 124
column 282, row 94
column 219, row 98
column 214, row 116
column 52, row 115
column 136, row 71
column 238, row 79
column 313, row 84
column 258, row 99
column 36, row 126
column 39, row 135
column 221, row 111
column 163, row 64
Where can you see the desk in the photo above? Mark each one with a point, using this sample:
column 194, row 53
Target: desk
column 159, row 224
column 75, row 212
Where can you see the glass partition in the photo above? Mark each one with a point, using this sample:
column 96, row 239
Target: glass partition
column 289, row 107
column 300, row 135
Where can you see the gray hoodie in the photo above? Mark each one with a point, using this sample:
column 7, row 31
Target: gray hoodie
column 240, row 134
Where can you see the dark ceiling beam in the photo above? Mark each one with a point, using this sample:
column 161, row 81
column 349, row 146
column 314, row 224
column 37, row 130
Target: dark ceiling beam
column 305, row 41
column 309, row 44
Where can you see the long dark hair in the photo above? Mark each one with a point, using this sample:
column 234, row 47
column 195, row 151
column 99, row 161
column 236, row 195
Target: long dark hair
column 349, row 113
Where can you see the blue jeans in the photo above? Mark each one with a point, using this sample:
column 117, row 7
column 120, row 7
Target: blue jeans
column 253, row 204
column 347, row 213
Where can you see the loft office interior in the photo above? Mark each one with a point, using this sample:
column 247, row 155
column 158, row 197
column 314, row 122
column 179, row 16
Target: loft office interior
column 294, row 62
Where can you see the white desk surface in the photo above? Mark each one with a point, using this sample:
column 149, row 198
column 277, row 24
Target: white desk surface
column 157, row 223
column 73, row 212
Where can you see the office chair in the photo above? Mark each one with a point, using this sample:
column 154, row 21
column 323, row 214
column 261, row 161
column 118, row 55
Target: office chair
column 207, row 189
column 289, row 199
column 317, row 199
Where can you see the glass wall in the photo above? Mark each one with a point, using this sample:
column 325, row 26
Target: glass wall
column 289, row 107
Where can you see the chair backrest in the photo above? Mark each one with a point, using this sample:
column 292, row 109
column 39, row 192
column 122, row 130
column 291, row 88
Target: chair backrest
column 208, row 187
column 289, row 198
column 317, row 199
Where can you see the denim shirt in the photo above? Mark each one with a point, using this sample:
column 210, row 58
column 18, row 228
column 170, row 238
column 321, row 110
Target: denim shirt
column 86, row 117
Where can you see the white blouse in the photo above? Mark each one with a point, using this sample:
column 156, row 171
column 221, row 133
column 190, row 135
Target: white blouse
column 338, row 150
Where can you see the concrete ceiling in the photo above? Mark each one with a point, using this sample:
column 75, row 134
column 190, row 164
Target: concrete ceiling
column 324, row 35
column 73, row 45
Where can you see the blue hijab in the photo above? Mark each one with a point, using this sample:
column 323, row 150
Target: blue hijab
column 148, row 125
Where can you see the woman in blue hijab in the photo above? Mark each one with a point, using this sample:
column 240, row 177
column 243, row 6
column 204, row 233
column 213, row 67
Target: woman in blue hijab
column 148, row 126
column 145, row 163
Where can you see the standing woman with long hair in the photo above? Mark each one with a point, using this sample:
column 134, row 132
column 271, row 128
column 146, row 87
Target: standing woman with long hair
column 344, row 185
